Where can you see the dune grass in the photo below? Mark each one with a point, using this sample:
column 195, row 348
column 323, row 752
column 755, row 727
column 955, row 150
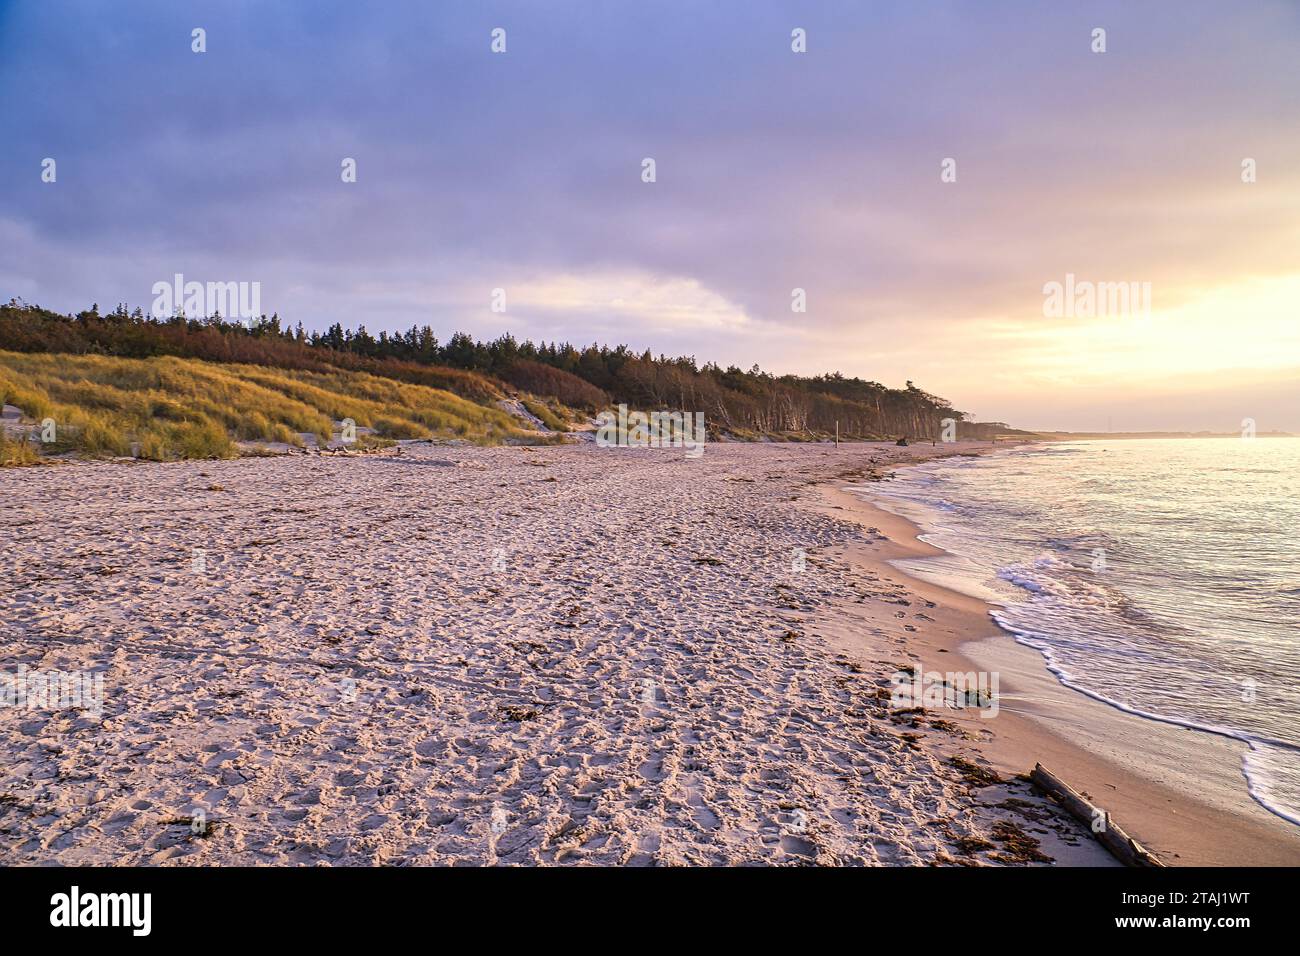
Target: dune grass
column 17, row 453
column 540, row 410
column 171, row 408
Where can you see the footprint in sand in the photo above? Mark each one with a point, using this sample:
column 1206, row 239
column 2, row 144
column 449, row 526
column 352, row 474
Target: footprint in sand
column 706, row 819
column 701, row 813
column 798, row 846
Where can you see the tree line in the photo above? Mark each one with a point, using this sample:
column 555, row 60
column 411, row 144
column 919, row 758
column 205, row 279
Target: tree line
column 746, row 403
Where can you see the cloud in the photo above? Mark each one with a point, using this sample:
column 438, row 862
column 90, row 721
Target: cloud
column 775, row 170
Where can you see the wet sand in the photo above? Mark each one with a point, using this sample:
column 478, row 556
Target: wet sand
column 1179, row 792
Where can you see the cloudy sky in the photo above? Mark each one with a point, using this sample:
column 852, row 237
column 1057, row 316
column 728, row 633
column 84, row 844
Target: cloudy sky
column 775, row 170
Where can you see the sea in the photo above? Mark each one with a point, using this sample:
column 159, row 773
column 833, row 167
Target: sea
column 1159, row 576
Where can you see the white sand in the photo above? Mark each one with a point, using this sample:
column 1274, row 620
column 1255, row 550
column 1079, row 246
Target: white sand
column 543, row 671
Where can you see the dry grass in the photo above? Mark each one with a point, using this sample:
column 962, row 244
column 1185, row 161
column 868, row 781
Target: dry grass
column 17, row 453
column 542, row 411
column 172, row 408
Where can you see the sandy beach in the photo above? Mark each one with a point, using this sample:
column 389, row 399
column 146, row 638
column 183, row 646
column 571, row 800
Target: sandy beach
column 467, row 656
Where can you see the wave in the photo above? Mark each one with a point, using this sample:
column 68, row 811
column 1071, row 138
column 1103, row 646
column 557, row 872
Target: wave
column 1257, row 745
column 1153, row 634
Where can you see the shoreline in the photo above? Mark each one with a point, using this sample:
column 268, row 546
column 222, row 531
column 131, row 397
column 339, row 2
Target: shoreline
column 1178, row 791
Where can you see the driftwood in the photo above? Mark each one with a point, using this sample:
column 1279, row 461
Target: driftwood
column 1122, row 846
